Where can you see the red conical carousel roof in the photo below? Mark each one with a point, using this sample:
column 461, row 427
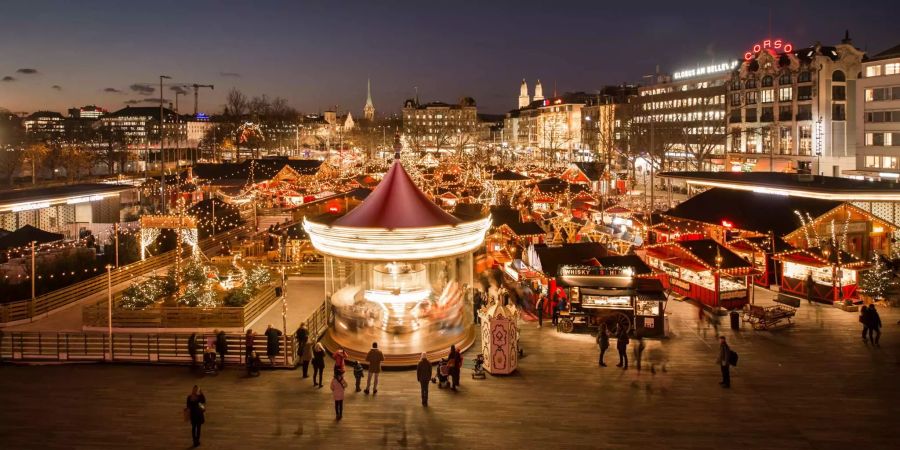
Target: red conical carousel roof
column 396, row 203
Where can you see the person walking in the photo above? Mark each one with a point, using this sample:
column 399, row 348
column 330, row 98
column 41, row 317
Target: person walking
column 302, row 336
column 864, row 321
column 454, row 361
column 374, row 358
column 249, row 339
column 273, row 336
column 603, row 342
column 724, row 363
column 318, row 363
column 338, row 385
column 539, row 307
column 221, row 347
column 809, row 288
column 192, row 349
column 874, row 324
column 423, row 374
column 622, row 348
column 305, row 357
column 195, row 412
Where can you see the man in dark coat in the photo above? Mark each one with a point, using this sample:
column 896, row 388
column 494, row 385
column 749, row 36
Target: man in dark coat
column 873, row 323
column 302, row 338
column 423, row 374
column 723, row 361
column 622, row 348
column 192, row 348
column 221, row 347
column 273, row 336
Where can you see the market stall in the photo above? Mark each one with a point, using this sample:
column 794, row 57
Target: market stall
column 702, row 270
column 820, row 275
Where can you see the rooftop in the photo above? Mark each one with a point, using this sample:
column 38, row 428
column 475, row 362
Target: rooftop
column 797, row 185
column 35, row 198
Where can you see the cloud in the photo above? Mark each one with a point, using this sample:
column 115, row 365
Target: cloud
column 112, row 90
column 143, row 89
column 230, row 74
column 56, row 87
column 27, row 71
column 179, row 89
column 132, row 102
column 8, row 79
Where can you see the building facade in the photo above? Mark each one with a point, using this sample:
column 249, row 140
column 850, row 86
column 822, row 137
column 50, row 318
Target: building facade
column 791, row 109
column 440, row 127
column 548, row 129
column 140, row 125
column 878, row 117
column 45, row 124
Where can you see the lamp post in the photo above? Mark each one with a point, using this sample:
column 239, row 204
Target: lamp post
column 33, row 302
column 109, row 308
column 116, row 240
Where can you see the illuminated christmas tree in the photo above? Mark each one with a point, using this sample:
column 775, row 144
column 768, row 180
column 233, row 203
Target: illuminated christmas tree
column 877, row 280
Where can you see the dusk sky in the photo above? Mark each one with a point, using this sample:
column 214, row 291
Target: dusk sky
column 55, row 55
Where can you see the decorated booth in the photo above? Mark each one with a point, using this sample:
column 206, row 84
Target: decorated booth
column 500, row 338
column 820, row 275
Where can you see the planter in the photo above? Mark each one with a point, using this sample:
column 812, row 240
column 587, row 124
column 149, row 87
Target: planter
column 845, row 307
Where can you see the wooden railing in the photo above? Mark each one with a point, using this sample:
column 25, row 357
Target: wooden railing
column 181, row 317
column 163, row 348
column 25, row 309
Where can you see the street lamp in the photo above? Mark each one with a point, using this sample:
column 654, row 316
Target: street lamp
column 109, row 307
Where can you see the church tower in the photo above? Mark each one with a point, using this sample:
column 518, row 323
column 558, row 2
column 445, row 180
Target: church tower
column 369, row 109
column 524, row 99
column 538, row 91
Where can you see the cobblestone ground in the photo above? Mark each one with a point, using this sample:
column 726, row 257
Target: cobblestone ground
column 813, row 385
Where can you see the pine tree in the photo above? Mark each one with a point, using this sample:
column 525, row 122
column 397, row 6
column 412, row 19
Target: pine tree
column 877, row 280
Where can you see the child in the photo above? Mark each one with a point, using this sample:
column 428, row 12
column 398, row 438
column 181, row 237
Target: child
column 337, row 387
column 358, row 373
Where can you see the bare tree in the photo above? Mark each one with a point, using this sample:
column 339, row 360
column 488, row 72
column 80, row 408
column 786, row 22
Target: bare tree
column 11, row 159
column 555, row 136
column 77, row 161
column 703, row 136
column 235, row 104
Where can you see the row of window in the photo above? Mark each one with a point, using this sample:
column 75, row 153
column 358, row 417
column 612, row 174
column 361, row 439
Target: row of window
column 763, row 140
column 767, row 114
column 882, row 116
column 886, row 69
column 882, row 139
column 684, row 102
column 769, row 81
column 682, row 117
column 881, row 162
column 883, row 93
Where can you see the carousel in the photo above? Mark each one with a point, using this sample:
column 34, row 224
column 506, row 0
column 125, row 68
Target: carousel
column 397, row 268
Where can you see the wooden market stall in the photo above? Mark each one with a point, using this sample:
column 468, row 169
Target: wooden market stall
column 820, row 275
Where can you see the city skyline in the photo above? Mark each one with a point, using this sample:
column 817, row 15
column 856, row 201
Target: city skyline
column 318, row 58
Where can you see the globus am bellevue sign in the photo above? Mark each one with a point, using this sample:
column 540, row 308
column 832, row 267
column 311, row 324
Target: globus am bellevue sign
column 772, row 45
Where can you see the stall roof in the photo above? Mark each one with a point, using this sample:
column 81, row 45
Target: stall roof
column 795, row 185
column 698, row 255
column 551, row 258
column 26, row 235
column 633, row 261
column 508, row 175
column 750, row 211
column 55, row 194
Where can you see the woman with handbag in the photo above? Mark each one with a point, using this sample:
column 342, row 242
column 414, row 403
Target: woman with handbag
column 338, row 385
column 195, row 412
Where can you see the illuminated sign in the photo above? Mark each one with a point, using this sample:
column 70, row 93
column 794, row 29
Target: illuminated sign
column 727, row 224
column 30, row 206
column 575, row 271
column 715, row 68
column 771, row 45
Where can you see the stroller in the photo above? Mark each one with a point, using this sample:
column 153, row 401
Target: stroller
column 443, row 374
column 478, row 371
column 209, row 362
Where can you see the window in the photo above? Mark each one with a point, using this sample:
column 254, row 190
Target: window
column 785, row 94
column 804, row 93
column 785, row 113
column 736, row 84
column 736, row 99
column 735, row 116
column 767, row 95
column 872, row 161
column 838, row 75
column 751, row 97
column 750, row 84
column 839, row 92
column 870, row 139
column 894, row 138
column 804, row 77
column 767, row 115
column 873, row 71
column 895, row 93
column 785, row 142
column 805, row 132
column 889, row 162
column 804, row 112
column 767, row 141
column 883, row 116
column 838, row 111
column 751, row 115
column 892, row 68
column 877, row 139
column 767, row 81
column 785, row 78
column 736, row 142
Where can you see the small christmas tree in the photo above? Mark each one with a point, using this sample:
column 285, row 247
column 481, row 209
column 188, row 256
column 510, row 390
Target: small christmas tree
column 877, row 280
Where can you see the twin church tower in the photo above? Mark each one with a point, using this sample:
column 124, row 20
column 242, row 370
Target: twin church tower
column 525, row 99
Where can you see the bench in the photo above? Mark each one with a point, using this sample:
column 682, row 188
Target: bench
column 761, row 318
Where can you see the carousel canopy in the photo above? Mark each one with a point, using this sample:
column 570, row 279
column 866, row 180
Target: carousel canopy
column 26, row 235
column 396, row 203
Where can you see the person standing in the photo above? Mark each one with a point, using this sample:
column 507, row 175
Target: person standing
column 603, row 342
column 249, row 339
column 639, row 352
column 477, row 302
column 340, row 358
column 874, row 324
column 302, row 337
column 221, row 347
column 318, row 363
column 622, row 348
column 195, row 412
column 338, row 385
column 273, row 336
column 540, row 310
column 357, row 374
column 723, row 361
column 192, row 349
column 423, row 374
column 305, row 357
column 864, row 321
column 809, row 288
column 374, row 358
column 454, row 361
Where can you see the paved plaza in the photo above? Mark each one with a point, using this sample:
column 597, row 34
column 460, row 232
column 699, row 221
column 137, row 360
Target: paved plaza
column 813, row 385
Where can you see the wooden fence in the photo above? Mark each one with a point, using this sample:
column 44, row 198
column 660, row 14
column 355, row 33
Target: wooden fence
column 25, row 309
column 181, row 317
